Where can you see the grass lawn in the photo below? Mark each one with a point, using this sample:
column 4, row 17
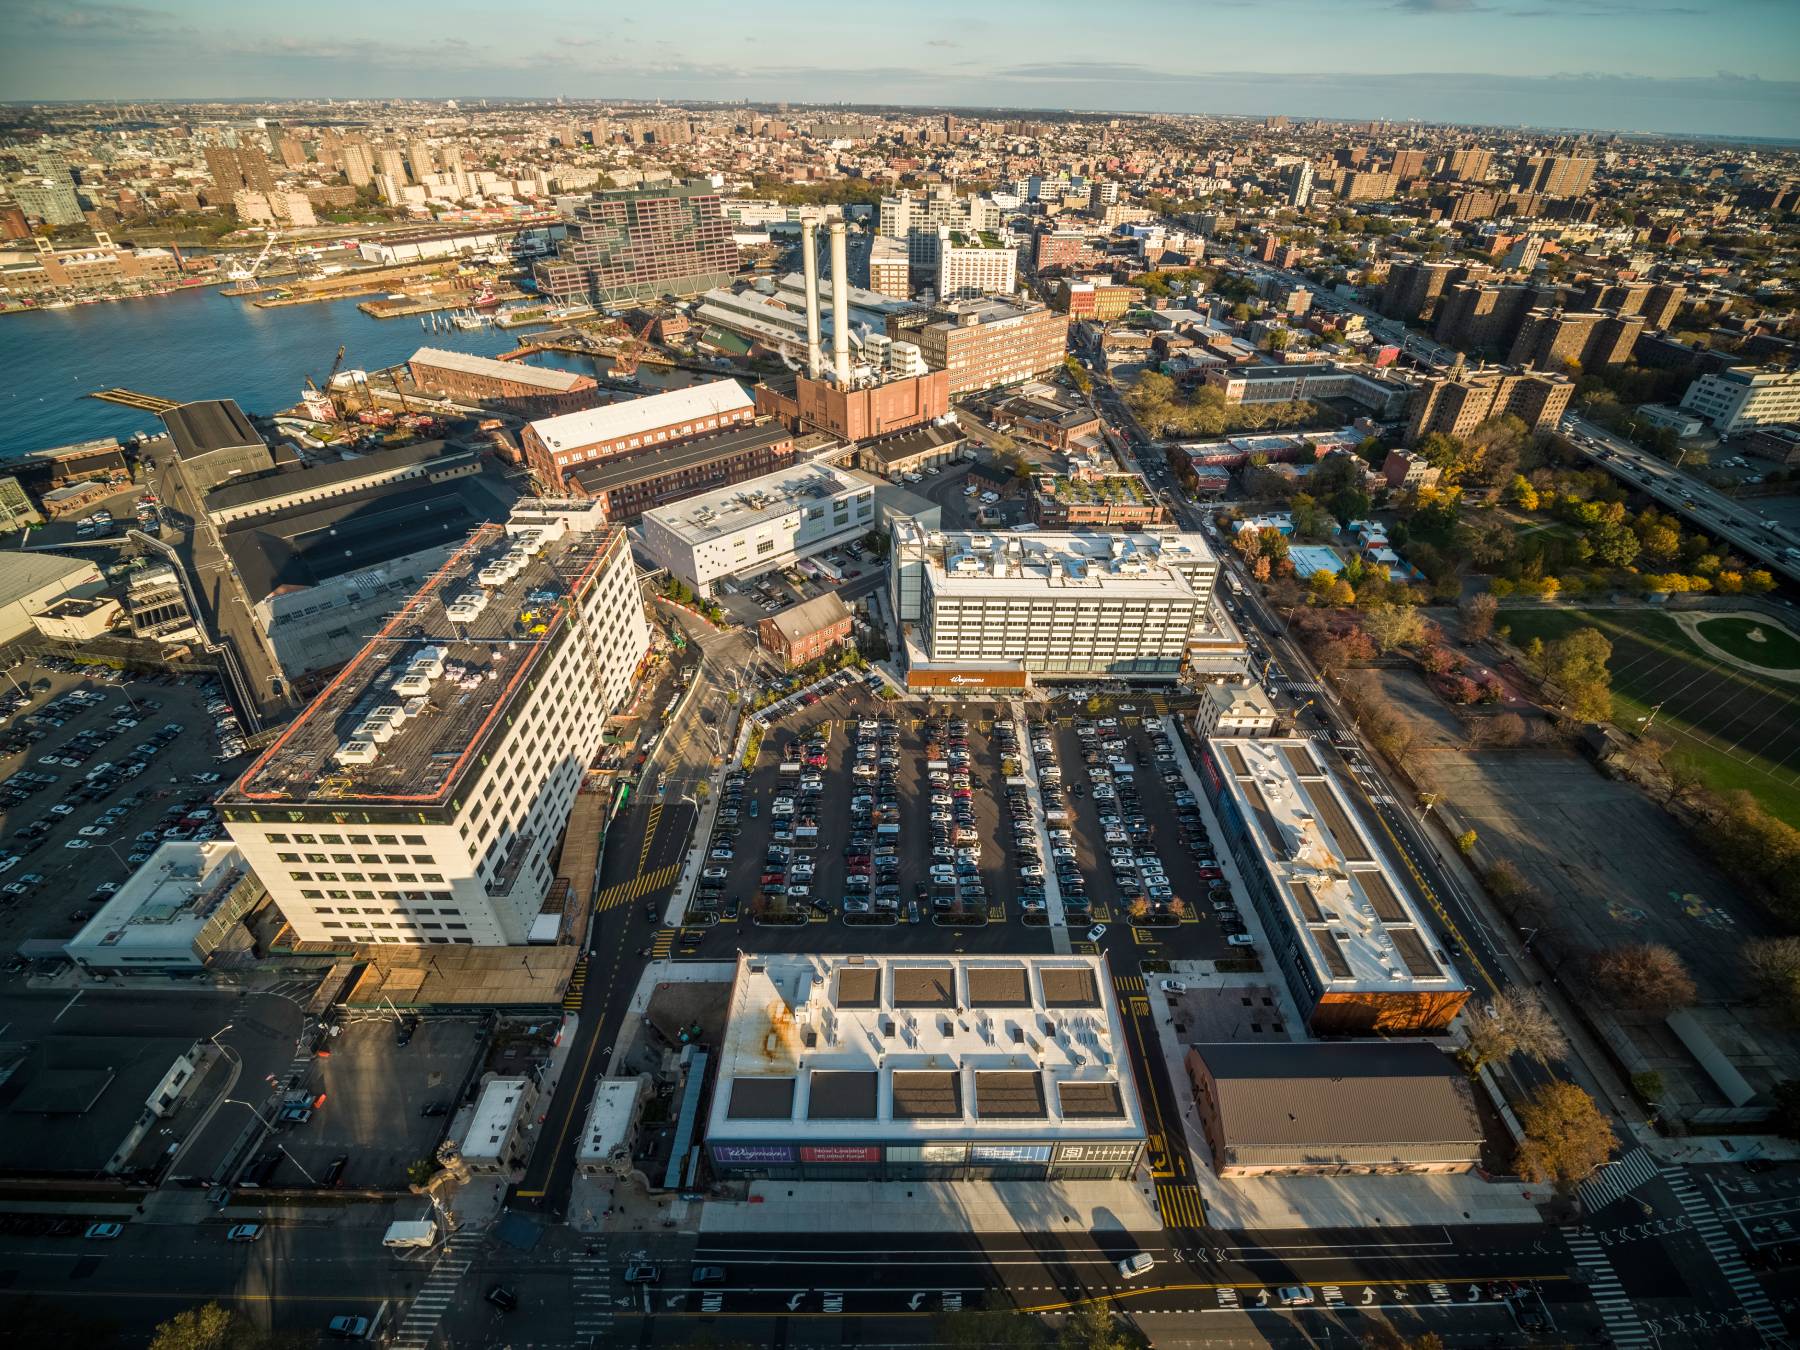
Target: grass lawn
column 1738, row 730
column 1778, row 649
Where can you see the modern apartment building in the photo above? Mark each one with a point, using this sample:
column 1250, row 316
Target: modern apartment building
column 1457, row 404
column 984, row 343
column 756, row 526
column 554, row 445
column 1745, row 396
column 975, row 264
column 1350, row 941
column 892, row 1068
column 419, row 797
column 1383, row 394
column 1048, row 605
column 641, row 242
column 889, row 268
column 915, row 218
column 236, row 168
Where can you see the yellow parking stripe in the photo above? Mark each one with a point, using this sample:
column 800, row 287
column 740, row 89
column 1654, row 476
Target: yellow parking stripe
column 1181, row 1206
column 663, row 944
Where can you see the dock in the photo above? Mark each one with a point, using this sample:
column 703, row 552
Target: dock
column 131, row 398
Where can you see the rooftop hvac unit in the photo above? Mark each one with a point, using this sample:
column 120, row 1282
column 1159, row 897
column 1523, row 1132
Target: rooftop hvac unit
column 377, row 729
column 392, row 712
column 411, row 683
column 357, row 752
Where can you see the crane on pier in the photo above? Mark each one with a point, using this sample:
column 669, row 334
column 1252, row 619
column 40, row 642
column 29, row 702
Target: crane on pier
column 249, row 273
column 320, row 394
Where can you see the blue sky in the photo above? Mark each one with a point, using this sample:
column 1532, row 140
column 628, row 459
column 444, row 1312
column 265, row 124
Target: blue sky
column 1729, row 67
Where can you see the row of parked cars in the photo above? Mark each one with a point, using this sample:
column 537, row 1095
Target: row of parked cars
column 872, row 850
column 720, row 849
column 956, row 885
column 1070, row 883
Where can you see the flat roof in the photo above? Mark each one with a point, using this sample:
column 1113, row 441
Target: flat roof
column 546, row 378
column 831, row 1048
column 1357, row 926
column 498, row 1107
column 474, row 667
column 899, row 446
column 650, row 413
column 610, row 1115
column 274, row 483
column 756, row 501
column 1058, row 564
column 167, row 900
column 639, row 466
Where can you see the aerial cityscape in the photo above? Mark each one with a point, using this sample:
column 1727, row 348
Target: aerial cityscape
column 786, row 678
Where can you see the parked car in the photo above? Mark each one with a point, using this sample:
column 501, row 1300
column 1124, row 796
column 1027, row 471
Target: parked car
column 244, row 1232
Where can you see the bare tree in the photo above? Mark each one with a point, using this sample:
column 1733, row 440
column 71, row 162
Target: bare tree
column 1478, row 613
column 1513, row 1023
column 1642, row 975
column 1775, row 971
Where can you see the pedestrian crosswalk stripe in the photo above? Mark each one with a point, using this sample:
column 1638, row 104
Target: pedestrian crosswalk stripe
column 1724, row 1252
column 1617, row 1180
column 663, row 943
column 1609, row 1295
column 625, row 892
column 1129, row 984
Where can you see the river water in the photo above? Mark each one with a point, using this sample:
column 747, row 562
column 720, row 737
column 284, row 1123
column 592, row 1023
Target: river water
column 197, row 344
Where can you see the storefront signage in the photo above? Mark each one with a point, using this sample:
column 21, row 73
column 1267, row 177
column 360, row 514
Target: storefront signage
column 926, row 678
column 752, row 1153
column 929, row 1153
column 1096, row 1153
column 1009, row 1153
column 840, row 1153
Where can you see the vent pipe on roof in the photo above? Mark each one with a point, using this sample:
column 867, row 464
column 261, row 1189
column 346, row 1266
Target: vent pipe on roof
column 809, row 259
column 840, row 308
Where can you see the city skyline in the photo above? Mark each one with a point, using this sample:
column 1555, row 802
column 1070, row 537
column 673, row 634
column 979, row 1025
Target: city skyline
column 1599, row 64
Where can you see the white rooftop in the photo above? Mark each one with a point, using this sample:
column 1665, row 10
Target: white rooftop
column 916, row 1048
column 1062, row 563
column 609, row 1117
column 167, row 901
column 500, row 1103
column 554, row 381
column 739, row 506
column 1359, row 928
column 642, row 414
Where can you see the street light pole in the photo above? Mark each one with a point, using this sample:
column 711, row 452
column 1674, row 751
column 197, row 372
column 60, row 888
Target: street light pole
column 235, row 1101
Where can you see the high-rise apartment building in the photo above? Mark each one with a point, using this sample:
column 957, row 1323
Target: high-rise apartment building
column 292, row 152
column 1413, row 286
column 1472, row 165
column 420, row 797
column 1408, row 164
column 916, row 218
column 243, row 168
column 974, row 265
column 1300, row 184
column 391, row 163
column 1365, row 186
column 1457, row 404
column 359, row 163
column 984, row 343
column 889, row 268
column 1484, row 318
column 52, row 201
column 1555, row 175
column 639, row 242
column 1550, row 339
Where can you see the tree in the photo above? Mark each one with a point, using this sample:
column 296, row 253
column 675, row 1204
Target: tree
column 991, row 1329
column 1512, row 1023
column 1774, row 965
column 1642, row 975
column 1391, row 627
column 1566, row 1137
column 1577, row 663
column 1092, row 1326
column 1478, row 613
column 1466, row 841
column 213, row 1327
column 1521, row 493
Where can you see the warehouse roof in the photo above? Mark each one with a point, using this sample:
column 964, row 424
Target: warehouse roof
column 22, row 574
column 543, row 377
column 200, row 428
column 246, row 488
column 638, row 466
column 628, row 418
column 1310, row 1093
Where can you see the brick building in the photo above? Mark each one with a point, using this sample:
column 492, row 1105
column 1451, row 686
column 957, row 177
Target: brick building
column 1549, row 339
column 531, row 391
column 554, row 445
column 802, row 633
column 1457, row 405
column 983, row 343
column 858, row 412
column 634, row 481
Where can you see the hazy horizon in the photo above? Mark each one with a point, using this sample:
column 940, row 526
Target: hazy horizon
column 1663, row 67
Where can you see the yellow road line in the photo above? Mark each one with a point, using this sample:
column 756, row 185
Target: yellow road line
column 1436, row 905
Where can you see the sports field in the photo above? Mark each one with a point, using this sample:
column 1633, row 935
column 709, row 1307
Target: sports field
column 1739, row 730
column 1754, row 640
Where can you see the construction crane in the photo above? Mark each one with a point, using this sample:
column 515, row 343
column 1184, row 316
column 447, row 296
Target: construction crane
column 249, row 273
column 323, row 389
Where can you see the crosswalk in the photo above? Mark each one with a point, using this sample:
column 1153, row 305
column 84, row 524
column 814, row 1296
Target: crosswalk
column 577, row 984
column 1180, row 1205
column 1129, row 984
column 435, row 1295
column 624, row 892
column 1609, row 1295
column 591, row 1304
column 1724, row 1251
column 1617, row 1180
column 649, row 833
column 662, row 944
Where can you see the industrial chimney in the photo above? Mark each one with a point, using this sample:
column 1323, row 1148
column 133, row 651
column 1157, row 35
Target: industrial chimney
column 809, row 257
column 840, row 308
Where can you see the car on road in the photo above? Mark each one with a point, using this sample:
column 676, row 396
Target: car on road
column 642, row 1273
column 502, row 1298
column 244, row 1232
column 1136, row 1264
column 103, row 1232
column 707, row 1275
column 1097, row 932
column 1296, row 1296
column 434, row 1109
column 1241, row 940
column 348, row 1328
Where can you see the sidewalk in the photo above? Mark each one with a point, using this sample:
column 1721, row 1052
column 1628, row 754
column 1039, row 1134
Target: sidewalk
column 936, row 1207
column 1053, row 901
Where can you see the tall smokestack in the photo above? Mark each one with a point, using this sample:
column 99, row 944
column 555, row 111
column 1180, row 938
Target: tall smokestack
column 809, row 250
column 840, row 307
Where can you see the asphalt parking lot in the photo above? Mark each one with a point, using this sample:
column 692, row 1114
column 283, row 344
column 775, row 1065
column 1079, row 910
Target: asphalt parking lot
column 748, row 902
column 85, row 821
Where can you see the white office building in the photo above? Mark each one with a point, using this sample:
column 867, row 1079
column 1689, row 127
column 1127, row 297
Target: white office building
column 419, row 798
column 974, row 265
column 991, row 1068
column 750, row 528
column 492, row 1142
column 1745, row 396
column 172, row 914
column 1055, row 605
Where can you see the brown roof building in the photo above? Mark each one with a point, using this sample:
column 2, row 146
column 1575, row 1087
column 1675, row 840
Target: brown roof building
column 1457, row 405
column 530, row 391
column 802, row 633
column 856, row 412
column 634, row 482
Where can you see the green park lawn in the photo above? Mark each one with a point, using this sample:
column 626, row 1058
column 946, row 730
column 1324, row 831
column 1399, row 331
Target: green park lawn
column 1739, row 731
column 1778, row 649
